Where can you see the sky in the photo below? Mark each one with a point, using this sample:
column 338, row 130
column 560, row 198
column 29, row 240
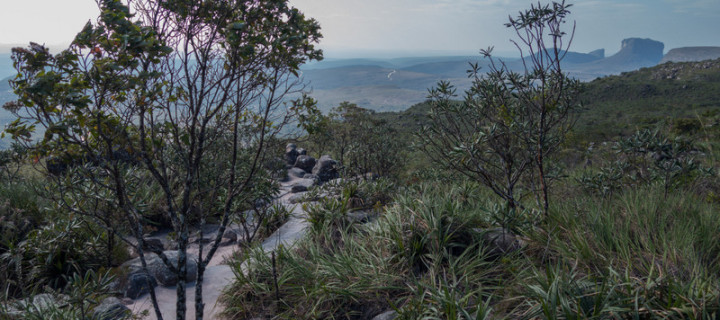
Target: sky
column 366, row 28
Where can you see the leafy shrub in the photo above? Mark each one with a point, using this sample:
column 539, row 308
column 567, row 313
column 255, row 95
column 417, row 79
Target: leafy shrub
column 644, row 158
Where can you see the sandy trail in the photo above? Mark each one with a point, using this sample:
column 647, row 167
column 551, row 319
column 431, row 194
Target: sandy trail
column 218, row 275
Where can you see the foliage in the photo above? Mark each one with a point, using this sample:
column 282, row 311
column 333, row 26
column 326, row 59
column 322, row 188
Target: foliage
column 635, row 255
column 177, row 97
column 418, row 257
column 508, row 122
column 362, row 142
column 647, row 157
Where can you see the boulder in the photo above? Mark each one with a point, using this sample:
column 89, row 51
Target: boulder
column 228, row 238
column 302, row 151
column 291, row 153
column 302, row 185
column 305, row 162
column 499, row 241
column 137, row 284
column 326, row 169
column 111, row 309
column 297, row 173
column 160, row 271
column 153, row 245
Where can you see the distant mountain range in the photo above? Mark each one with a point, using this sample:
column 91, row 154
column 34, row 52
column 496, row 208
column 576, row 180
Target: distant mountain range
column 396, row 84
column 390, row 85
column 689, row 54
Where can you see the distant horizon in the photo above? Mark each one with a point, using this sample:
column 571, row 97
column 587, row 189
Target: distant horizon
column 401, row 28
column 361, row 53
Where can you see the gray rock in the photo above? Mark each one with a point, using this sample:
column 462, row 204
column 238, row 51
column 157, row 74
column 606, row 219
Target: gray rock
column 499, row 241
column 153, row 244
column 228, row 238
column 387, row 315
column 302, row 151
column 111, row 309
column 160, row 271
column 305, row 162
column 296, row 173
column 310, row 176
column 302, row 185
column 137, row 284
column 291, row 153
column 326, row 169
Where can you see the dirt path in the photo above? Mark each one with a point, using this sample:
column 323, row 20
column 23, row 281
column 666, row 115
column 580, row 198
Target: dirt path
column 218, row 275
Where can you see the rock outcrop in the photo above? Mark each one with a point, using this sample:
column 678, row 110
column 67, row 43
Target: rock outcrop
column 158, row 269
column 691, row 54
column 291, row 154
column 326, row 169
column 305, row 162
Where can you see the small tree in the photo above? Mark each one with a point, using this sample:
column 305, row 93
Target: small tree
column 357, row 138
column 171, row 97
column 510, row 121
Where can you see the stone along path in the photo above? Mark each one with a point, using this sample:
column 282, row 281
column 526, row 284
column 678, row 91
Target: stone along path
column 218, row 274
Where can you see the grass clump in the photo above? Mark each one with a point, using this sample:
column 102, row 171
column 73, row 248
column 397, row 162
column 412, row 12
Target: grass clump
column 638, row 255
column 419, row 257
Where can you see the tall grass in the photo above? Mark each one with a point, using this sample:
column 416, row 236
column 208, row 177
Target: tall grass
column 638, row 255
column 420, row 257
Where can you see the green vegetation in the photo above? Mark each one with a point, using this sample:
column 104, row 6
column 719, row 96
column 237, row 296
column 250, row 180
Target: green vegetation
column 629, row 230
column 637, row 255
column 593, row 201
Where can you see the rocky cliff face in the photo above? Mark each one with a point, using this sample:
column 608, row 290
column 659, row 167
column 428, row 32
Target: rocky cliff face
column 637, row 53
column 634, row 54
column 691, row 54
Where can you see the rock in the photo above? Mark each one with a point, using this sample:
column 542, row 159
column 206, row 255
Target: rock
column 291, row 153
column 296, row 173
column 302, row 185
column 310, row 176
column 387, row 315
column 302, row 152
column 160, row 271
column 153, row 245
column 137, row 284
column 499, row 241
column 305, row 162
column 111, row 309
column 228, row 238
column 326, row 169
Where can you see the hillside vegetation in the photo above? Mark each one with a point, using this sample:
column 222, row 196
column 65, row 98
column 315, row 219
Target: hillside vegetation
column 528, row 196
column 685, row 96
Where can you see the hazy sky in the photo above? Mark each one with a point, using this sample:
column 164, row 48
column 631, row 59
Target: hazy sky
column 419, row 27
